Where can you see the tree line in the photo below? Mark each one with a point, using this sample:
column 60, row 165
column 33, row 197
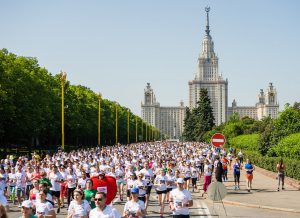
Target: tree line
column 30, row 110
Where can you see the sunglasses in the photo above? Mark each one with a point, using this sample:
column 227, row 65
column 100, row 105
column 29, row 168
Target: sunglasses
column 98, row 199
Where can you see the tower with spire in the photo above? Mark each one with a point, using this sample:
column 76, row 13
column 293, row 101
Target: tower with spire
column 207, row 76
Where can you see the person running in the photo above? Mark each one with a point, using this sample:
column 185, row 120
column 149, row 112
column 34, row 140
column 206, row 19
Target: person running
column 181, row 200
column 20, row 185
column 90, row 193
column 161, row 190
column 141, row 185
column 101, row 209
column 27, row 210
column 44, row 208
column 280, row 173
column 56, row 179
column 120, row 180
column 207, row 175
column 249, row 174
column 129, row 184
column 12, row 185
column 241, row 156
column 225, row 163
column 194, row 176
column 71, row 184
column 148, row 177
column 79, row 207
column 134, row 208
column 237, row 167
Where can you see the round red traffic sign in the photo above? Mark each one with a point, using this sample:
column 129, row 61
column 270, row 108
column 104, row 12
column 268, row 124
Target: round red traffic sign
column 218, row 139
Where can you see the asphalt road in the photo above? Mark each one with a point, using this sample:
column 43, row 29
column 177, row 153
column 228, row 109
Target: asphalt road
column 202, row 208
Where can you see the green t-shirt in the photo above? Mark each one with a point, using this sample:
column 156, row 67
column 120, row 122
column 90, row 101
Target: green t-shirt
column 31, row 216
column 89, row 194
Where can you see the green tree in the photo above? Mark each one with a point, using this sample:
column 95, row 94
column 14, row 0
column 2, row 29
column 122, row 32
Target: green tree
column 202, row 116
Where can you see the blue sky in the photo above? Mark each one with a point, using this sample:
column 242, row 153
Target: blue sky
column 116, row 47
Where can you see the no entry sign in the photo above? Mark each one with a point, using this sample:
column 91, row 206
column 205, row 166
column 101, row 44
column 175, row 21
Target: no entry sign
column 218, row 140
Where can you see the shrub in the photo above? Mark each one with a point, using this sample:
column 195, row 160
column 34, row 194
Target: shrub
column 245, row 142
column 288, row 147
column 269, row 163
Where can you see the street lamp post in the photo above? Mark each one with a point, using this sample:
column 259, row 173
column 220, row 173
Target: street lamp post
column 116, row 123
column 63, row 77
column 128, row 128
column 146, row 132
column 99, row 118
column 136, row 129
column 142, row 125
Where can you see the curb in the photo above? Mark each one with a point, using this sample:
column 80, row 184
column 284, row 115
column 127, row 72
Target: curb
column 292, row 182
column 261, row 206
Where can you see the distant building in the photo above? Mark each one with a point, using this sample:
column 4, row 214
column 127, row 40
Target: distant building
column 208, row 77
column 267, row 105
column 169, row 120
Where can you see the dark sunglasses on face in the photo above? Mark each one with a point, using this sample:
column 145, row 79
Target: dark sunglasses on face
column 98, row 199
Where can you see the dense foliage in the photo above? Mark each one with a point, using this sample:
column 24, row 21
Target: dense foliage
column 245, row 142
column 200, row 120
column 288, row 147
column 30, row 109
column 269, row 163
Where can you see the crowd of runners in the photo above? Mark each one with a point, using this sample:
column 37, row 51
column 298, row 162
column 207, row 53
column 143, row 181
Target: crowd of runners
column 40, row 184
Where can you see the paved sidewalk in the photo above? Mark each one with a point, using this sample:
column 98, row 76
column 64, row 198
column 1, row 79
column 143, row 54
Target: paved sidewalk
column 264, row 193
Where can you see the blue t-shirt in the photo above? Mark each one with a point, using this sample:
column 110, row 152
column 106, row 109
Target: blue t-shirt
column 237, row 168
column 249, row 168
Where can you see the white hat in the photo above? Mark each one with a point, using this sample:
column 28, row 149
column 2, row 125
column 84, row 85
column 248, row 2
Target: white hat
column 27, row 204
column 180, row 180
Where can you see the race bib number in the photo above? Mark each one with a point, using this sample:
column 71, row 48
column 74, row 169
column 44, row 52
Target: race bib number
column 102, row 189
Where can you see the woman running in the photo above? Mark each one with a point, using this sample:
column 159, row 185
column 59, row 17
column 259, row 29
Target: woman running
column 249, row 174
column 161, row 189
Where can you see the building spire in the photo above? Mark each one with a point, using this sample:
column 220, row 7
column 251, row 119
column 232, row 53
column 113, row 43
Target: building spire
column 207, row 9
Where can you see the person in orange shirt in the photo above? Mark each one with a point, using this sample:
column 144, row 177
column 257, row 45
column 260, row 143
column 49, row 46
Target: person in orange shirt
column 225, row 163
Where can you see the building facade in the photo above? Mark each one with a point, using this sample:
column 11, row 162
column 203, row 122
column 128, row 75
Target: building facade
column 170, row 120
column 208, row 77
column 267, row 105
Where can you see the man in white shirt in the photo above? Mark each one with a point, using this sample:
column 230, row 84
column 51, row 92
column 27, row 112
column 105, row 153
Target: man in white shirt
column 56, row 179
column 180, row 200
column 20, row 177
column 102, row 210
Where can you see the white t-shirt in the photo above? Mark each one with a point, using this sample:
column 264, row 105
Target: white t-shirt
column 79, row 210
column 108, row 212
column 180, row 198
column 207, row 169
column 134, row 207
column 43, row 208
column 148, row 175
column 161, row 183
column 82, row 183
column 71, row 181
column 12, row 178
column 20, row 180
column 55, row 179
column 142, row 186
column 194, row 172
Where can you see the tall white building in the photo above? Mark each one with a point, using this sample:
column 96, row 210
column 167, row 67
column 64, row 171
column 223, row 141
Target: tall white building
column 267, row 105
column 169, row 120
column 208, row 77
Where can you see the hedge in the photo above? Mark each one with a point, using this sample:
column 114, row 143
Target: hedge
column 288, row 147
column 269, row 163
column 245, row 142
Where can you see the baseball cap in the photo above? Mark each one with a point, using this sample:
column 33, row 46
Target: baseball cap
column 134, row 190
column 27, row 204
column 180, row 180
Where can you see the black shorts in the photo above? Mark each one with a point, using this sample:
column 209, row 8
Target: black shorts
column 161, row 192
column 194, row 181
column 148, row 191
column 143, row 199
column 169, row 189
column 187, row 178
column 55, row 193
column 128, row 193
column 181, row 216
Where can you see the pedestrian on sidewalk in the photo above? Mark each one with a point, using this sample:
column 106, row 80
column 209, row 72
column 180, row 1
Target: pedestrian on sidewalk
column 281, row 171
column 249, row 173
